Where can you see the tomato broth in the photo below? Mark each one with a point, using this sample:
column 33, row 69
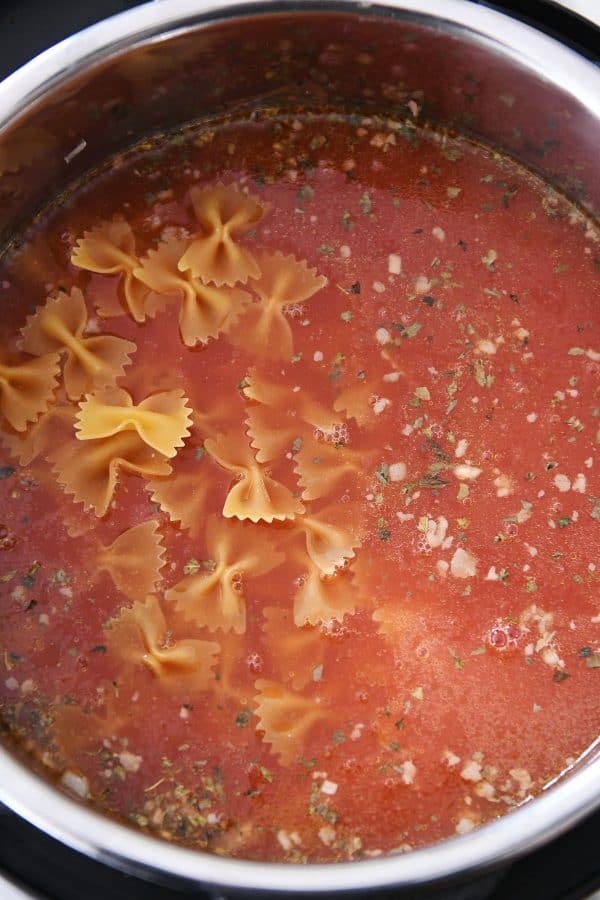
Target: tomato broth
column 300, row 506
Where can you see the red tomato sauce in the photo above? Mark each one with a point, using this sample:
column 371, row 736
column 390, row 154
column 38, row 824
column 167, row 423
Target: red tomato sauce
column 445, row 671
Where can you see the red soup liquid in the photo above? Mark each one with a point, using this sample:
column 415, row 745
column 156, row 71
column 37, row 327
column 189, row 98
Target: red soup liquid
column 300, row 522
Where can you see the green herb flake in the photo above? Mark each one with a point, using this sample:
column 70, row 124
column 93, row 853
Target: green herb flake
column 576, row 351
column 408, row 331
column 296, row 357
column 346, row 316
column 326, row 249
column 384, row 534
column 338, row 737
column 297, row 445
column 306, row 192
column 355, row 288
column 365, row 203
column 266, row 774
column 595, row 513
column 481, row 377
column 317, row 673
column 489, row 260
column 336, row 369
column 503, row 577
column 199, row 452
column 346, row 220
column 458, row 662
column 432, row 481
column 8, row 576
column 243, row 718
column 28, row 580
column 564, row 521
column 575, row 423
column 451, row 152
column 6, row 472
column 60, row 577
column 399, row 724
column 531, row 585
column 560, row 675
column 382, row 474
column 192, row 567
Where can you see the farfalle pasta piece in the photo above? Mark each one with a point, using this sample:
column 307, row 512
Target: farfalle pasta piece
column 320, row 468
column 284, row 282
column 224, row 214
column 192, row 487
column 214, row 413
column 278, row 417
column 78, row 729
column 161, row 420
column 322, row 601
column 51, row 430
column 141, row 636
column 332, row 535
column 196, row 477
column 206, row 310
column 23, row 147
column 413, row 629
column 285, row 717
column 37, row 263
column 230, row 684
column 134, row 560
column 109, row 249
column 91, row 362
column 90, row 469
column 392, row 621
column 183, row 495
column 363, row 402
column 256, row 496
column 27, row 389
column 215, row 598
column 294, row 652
column 272, row 436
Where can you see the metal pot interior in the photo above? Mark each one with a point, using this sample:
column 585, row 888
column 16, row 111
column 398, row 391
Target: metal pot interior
column 466, row 69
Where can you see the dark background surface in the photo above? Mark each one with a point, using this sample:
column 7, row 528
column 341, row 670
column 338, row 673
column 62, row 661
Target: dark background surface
column 566, row 869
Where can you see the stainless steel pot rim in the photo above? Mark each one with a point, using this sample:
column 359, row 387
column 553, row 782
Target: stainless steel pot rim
column 153, row 21
column 104, row 839
column 95, row 834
